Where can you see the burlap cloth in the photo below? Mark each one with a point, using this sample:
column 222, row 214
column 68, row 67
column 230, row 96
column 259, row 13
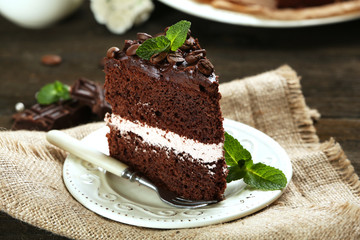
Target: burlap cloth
column 321, row 202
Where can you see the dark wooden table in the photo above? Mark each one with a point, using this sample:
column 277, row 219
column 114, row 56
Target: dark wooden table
column 327, row 58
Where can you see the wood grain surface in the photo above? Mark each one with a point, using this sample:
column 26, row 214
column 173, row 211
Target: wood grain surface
column 327, row 58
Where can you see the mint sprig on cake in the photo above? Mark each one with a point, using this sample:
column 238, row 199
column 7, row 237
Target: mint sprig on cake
column 174, row 39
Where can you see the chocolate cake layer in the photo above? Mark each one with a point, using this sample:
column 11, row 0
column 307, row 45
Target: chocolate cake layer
column 172, row 91
column 180, row 173
column 160, row 103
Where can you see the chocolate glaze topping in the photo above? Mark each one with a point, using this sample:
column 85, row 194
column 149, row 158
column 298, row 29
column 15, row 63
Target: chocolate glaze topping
column 188, row 65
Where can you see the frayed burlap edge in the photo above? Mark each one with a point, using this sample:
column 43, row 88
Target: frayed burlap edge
column 341, row 164
column 302, row 115
column 304, row 121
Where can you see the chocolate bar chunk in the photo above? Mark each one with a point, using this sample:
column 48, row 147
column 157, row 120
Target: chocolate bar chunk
column 63, row 114
column 91, row 94
column 87, row 104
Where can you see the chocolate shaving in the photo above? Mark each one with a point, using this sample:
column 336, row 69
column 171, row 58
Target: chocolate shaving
column 188, row 44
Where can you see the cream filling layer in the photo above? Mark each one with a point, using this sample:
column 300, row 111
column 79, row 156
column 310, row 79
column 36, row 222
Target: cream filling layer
column 158, row 137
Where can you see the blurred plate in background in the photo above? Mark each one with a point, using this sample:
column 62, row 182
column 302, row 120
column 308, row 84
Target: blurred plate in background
column 208, row 12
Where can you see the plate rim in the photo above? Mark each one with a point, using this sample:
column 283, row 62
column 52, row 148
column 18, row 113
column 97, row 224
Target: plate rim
column 164, row 224
column 206, row 11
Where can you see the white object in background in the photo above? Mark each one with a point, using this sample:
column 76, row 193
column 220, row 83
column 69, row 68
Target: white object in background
column 37, row 13
column 121, row 15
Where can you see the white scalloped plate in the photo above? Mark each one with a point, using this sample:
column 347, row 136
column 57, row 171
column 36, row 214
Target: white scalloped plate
column 207, row 11
column 123, row 201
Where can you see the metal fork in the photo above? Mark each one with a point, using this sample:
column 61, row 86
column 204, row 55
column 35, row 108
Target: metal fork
column 81, row 150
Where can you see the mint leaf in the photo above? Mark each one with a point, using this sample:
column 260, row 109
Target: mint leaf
column 175, row 38
column 62, row 90
column 240, row 165
column 235, row 173
column 177, row 34
column 53, row 92
column 234, row 152
column 152, row 46
column 265, row 177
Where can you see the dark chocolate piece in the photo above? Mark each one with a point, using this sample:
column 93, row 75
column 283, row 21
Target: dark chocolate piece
column 59, row 115
column 87, row 104
column 92, row 95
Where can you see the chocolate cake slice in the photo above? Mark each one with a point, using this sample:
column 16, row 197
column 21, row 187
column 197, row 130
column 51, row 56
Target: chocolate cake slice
column 166, row 121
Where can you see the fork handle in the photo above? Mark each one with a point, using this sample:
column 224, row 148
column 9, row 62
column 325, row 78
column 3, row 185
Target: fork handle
column 137, row 177
column 85, row 152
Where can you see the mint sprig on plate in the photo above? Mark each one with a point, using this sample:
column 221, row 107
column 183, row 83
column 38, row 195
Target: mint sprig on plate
column 53, row 92
column 174, row 38
column 241, row 166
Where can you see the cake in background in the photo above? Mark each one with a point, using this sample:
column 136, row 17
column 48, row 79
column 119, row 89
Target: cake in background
column 288, row 9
